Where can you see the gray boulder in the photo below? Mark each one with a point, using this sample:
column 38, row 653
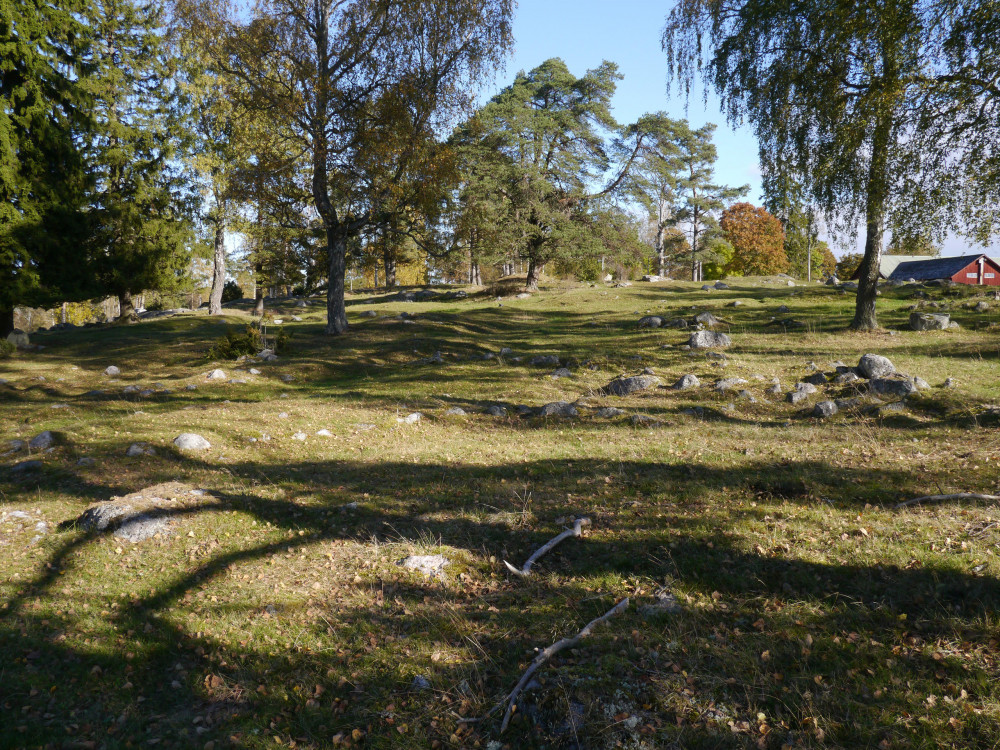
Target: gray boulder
column 410, row 418
column 19, row 338
column 929, row 321
column 634, row 384
column 559, row 409
column 817, row 378
column 676, row 323
column 190, row 441
column 875, row 366
column 456, row 411
column 368, row 314
column 982, row 306
column 42, row 441
column 650, row 321
column 825, row 409
column 26, row 467
column 497, row 411
column 720, row 285
column 805, row 387
column 686, row 382
column 796, row 397
column 709, row 340
column 216, row 375
column 846, row 377
column 891, row 387
column 112, row 372
column 562, row 372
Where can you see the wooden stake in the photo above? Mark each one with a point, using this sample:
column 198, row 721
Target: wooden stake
column 551, row 651
column 946, row 498
column 525, row 571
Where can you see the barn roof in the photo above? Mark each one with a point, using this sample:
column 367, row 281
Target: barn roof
column 935, row 268
column 887, row 263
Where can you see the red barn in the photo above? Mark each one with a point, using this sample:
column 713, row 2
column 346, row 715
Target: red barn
column 977, row 270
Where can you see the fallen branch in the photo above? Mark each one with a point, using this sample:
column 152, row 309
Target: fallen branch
column 525, row 571
column 947, row 498
column 551, row 651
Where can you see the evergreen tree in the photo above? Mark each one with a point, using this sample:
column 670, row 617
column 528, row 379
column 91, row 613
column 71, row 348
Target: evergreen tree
column 141, row 206
column 699, row 198
column 42, row 180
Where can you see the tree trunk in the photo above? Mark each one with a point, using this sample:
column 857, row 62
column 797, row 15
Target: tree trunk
column 218, row 271
column 6, row 321
column 534, row 271
column 127, row 309
column 864, row 308
column 390, row 269
column 336, row 311
column 258, row 270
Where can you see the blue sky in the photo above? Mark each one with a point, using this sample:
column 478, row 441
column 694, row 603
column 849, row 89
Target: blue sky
column 586, row 32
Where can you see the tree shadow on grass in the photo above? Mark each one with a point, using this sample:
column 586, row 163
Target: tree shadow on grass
column 877, row 635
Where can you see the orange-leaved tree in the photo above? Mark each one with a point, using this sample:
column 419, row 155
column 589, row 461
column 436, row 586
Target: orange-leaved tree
column 758, row 240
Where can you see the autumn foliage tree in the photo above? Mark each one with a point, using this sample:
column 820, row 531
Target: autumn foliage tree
column 758, row 240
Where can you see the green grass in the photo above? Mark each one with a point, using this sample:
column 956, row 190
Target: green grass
column 813, row 613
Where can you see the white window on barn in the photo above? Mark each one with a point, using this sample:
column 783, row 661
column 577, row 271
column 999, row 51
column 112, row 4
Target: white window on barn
column 989, row 276
column 971, row 276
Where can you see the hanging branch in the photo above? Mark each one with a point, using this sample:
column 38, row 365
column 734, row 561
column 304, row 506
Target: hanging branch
column 947, row 498
column 525, row 571
column 551, row 651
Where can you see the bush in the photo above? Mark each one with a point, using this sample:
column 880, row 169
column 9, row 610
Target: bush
column 7, row 349
column 231, row 292
column 248, row 343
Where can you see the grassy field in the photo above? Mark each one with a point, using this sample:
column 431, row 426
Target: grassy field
column 806, row 610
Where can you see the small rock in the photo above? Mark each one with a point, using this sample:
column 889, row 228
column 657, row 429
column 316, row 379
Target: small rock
column 609, row 412
column 254, row 371
column 286, row 378
column 545, row 360
column 728, row 384
column 846, row 377
column 497, row 411
column 456, row 411
column 645, row 420
column 686, row 382
column 949, row 383
column 875, row 366
column 891, row 387
column 368, row 314
column 562, row 372
column 299, row 436
column 324, row 433
column 42, row 441
column 283, row 415
column 430, row 565
column 627, row 386
column 216, row 375
column 140, row 449
column 825, row 409
column 782, row 310
column 559, row 409
column 420, row 683
column 650, row 321
column 410, row 418
column 709, row 340
column 85, row 461
column 817, row 378
column 190, row 441
column 665, row 603
column 721, row 286
column 26, row 467
column 112, row 371
column 707, row 319
column 795, row 397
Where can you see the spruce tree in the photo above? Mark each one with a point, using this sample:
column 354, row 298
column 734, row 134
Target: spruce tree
column 141, row 204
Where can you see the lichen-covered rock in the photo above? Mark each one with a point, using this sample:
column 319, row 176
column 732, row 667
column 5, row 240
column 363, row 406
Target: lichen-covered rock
column 650, row 321
column 42, row 441
column 610, row 412
column 709, row 340
column 112, row 372
column 545, row 360
column 431, row 566
column 216, row 375
column 728, row 384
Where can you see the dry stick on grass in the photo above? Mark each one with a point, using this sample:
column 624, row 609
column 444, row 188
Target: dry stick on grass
column 525, row 571
column 946, row 498
column 551, row 651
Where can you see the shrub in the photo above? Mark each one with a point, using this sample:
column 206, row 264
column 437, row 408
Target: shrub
column 6, row 348
column 232, row 292
column 248, row 343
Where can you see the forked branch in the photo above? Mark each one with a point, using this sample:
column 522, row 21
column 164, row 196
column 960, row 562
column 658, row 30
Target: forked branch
column 525, row 570
column 551, row 651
